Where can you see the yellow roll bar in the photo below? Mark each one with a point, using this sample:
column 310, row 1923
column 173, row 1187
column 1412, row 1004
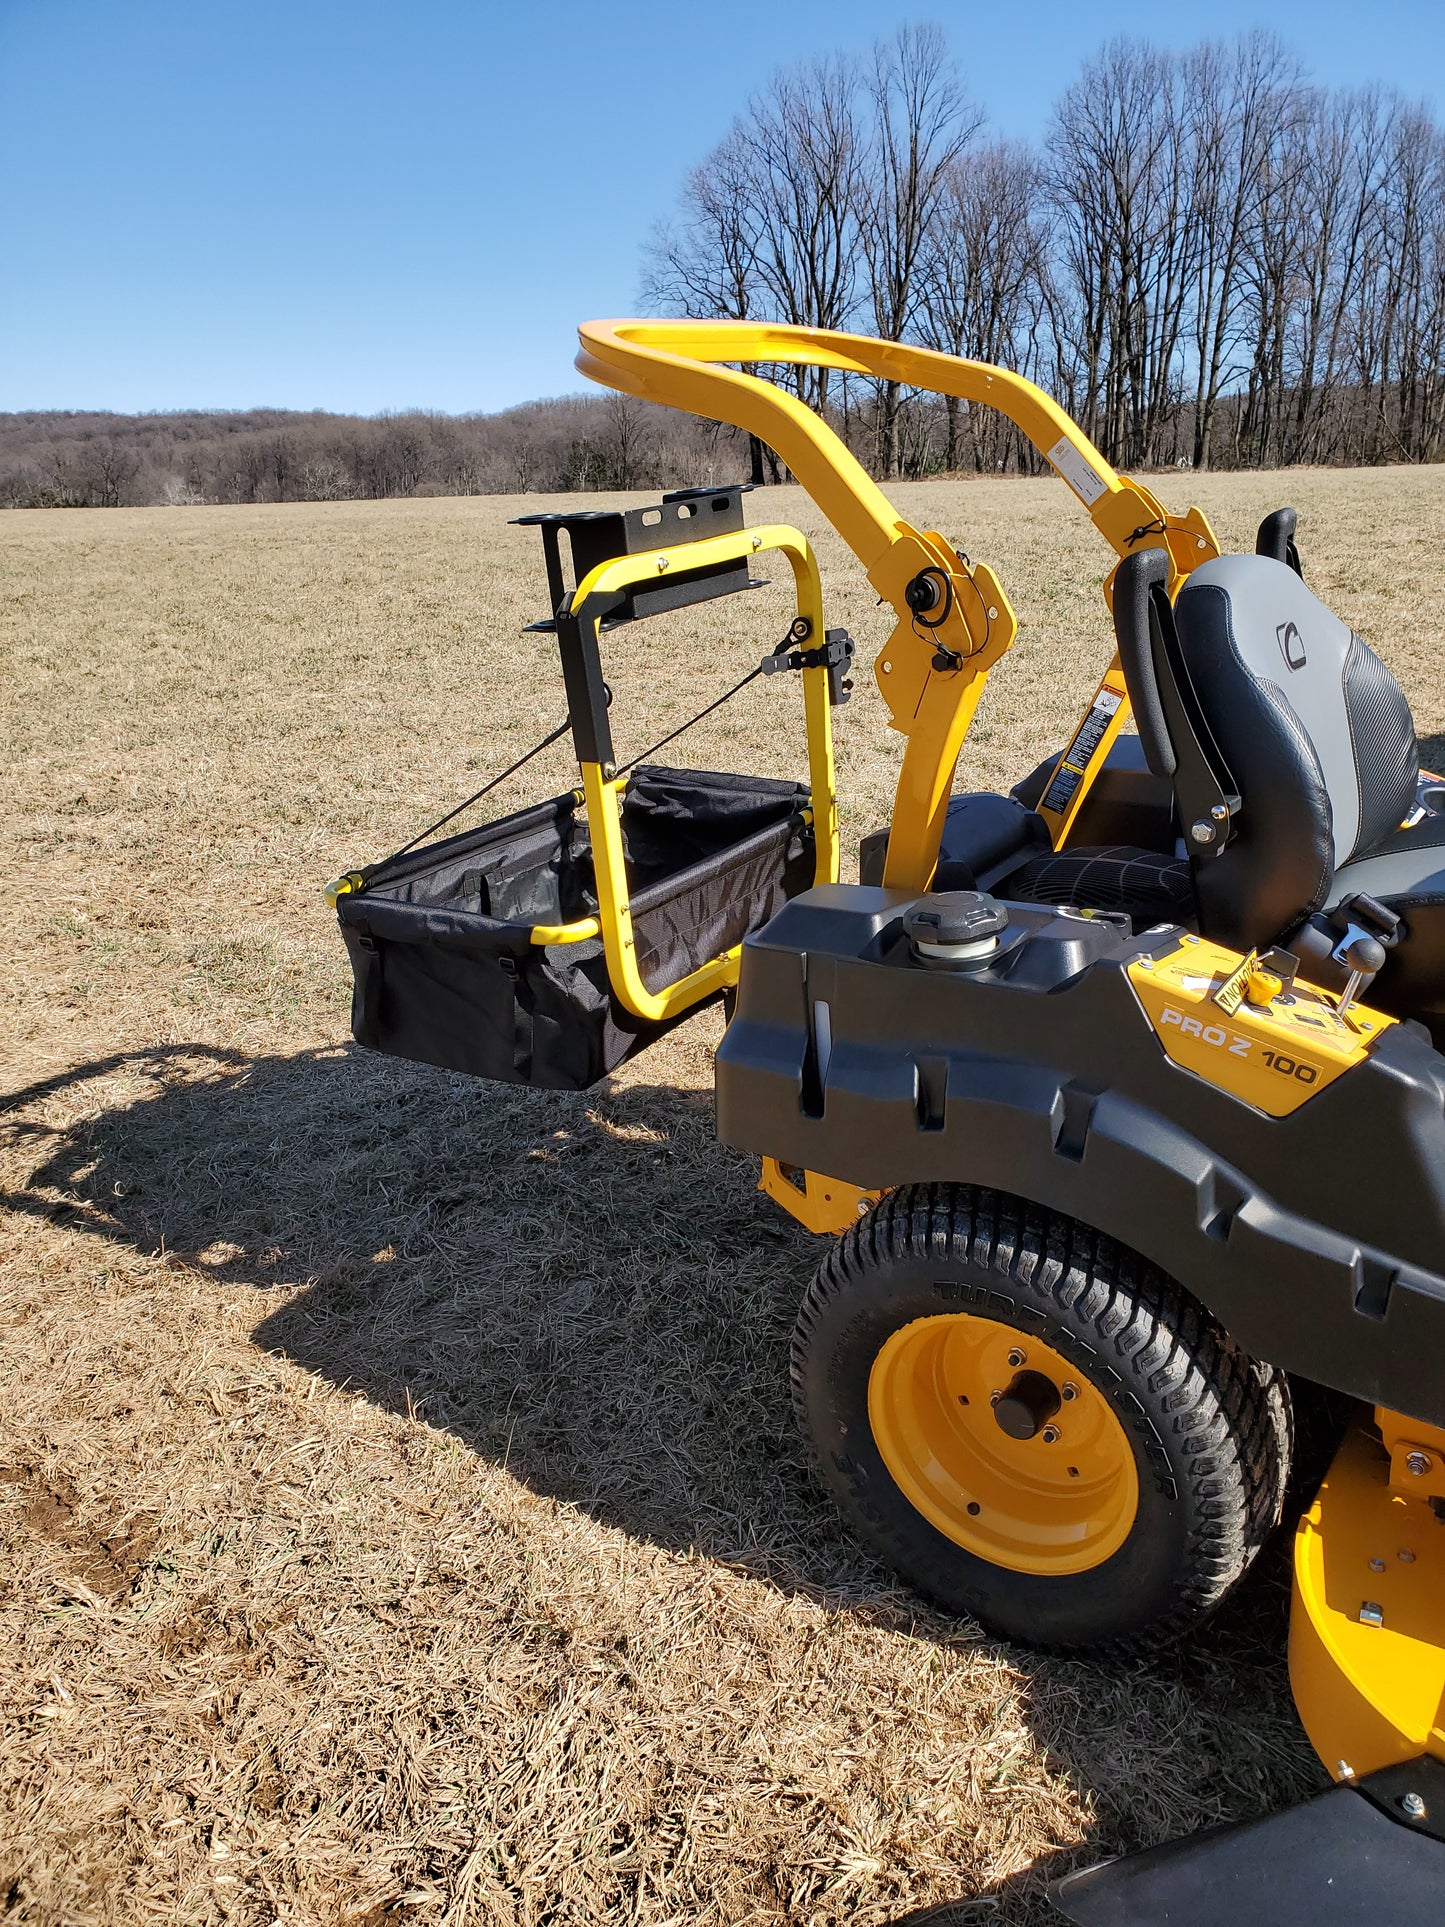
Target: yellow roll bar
column 932, row 670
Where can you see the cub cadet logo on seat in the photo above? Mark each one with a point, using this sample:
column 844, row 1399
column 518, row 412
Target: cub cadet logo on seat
column 1291, row 645
column 1215, row 1034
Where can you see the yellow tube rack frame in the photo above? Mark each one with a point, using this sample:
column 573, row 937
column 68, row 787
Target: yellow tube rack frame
column 603, row 788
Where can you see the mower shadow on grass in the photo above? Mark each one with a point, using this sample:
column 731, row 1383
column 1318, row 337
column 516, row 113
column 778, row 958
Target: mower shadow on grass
column 588, row 1289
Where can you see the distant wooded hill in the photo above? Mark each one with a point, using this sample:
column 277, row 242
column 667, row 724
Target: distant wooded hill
column 572, row 445
column 75, row 460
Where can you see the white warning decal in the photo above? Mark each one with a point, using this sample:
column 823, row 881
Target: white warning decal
column 1080, row 753
column 1076, row 471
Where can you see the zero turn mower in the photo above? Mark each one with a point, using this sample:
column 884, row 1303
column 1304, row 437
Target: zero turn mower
column 1119, row 1095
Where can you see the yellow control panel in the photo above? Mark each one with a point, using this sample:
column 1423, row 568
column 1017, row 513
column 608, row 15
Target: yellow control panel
column 1232, row 1021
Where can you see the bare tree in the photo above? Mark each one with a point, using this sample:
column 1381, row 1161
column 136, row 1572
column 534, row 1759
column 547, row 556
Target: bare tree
column 704, row 263
column 804, row 156
column 1121, row 181
column 284, row 461
column 1416, row 238
column 982, row 279
column 626, row 443
column 1236, row 98
column 922, row 125
column 108, row 469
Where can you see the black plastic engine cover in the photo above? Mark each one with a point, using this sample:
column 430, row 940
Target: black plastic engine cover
column 1317, row 1239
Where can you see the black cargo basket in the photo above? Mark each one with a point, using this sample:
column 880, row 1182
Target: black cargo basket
column 445, row 969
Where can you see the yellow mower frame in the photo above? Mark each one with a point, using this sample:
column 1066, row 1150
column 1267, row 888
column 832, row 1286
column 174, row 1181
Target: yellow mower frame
column 683, row 364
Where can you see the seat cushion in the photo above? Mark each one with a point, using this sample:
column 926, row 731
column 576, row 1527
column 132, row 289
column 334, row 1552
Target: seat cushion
column 1150, row 887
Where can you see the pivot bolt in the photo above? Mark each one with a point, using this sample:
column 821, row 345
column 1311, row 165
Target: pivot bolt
column 1417, row 1464
column 1412, row 1806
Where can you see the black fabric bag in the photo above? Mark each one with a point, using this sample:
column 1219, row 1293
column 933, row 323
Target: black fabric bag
column 445, row 971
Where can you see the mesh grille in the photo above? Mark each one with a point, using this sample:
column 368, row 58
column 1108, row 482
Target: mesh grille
column 1150, row 887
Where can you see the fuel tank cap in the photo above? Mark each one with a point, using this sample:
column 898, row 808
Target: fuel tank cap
column 960, row 928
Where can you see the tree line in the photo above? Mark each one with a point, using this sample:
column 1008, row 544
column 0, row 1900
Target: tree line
column 1207, row 259
column 75, row 460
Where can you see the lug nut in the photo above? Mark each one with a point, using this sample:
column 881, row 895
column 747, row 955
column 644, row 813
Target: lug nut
column 1017, row 1357
column 1050, row 1435
column 1068, row 1391
column 1377, row 1565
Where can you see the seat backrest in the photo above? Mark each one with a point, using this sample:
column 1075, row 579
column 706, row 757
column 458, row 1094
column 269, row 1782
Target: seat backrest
column 1311, row 726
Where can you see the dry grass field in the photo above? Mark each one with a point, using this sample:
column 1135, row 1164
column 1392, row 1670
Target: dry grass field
column 402, row 1514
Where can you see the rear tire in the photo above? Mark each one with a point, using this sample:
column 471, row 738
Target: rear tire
column 1183, row 1441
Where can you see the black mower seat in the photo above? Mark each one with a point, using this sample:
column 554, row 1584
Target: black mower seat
column 1257, row 700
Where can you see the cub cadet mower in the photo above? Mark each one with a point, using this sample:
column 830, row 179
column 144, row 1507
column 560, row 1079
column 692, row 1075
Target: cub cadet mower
column 1119, row 1094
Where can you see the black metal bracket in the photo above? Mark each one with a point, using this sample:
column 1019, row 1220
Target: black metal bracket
column 835, row 654
column 594, row 536
column 588, row 696
column 1412, row 1792
column 1209, row 801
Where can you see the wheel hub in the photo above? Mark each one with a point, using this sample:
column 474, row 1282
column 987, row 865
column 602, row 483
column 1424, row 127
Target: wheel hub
column 1027, row 1406
column 1003, row 1445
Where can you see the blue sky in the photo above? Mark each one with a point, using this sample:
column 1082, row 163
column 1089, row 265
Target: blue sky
column 364, row 206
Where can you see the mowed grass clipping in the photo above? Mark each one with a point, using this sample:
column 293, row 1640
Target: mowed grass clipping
column 402, row 1512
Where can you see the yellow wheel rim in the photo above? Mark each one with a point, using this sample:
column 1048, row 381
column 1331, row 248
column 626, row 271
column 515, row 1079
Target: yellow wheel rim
column 1061, row 1500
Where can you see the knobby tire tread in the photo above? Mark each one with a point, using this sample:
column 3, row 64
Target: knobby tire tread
column 1230, row 1413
